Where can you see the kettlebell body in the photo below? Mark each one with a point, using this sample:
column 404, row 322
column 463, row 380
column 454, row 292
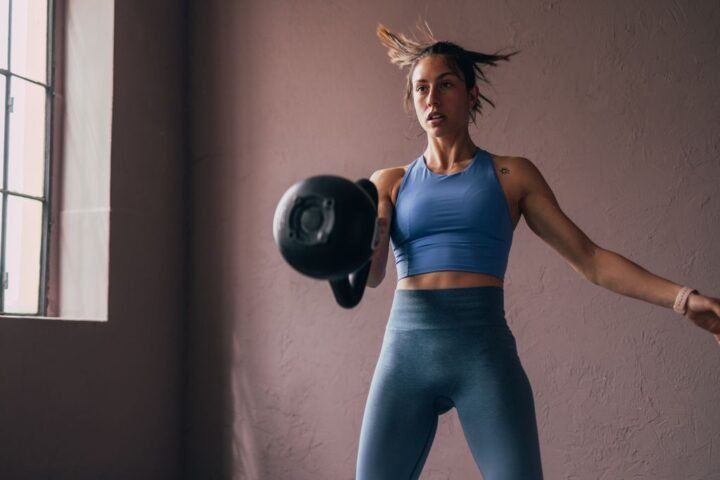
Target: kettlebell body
column 326, row 228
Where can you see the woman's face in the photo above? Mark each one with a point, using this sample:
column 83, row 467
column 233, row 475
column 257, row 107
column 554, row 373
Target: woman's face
column 442, row 103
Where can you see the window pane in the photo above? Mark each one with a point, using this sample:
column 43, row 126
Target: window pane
column 26, row 171
column 29, row 39
column 22, row 262
column 2, row 127
column 4, row 11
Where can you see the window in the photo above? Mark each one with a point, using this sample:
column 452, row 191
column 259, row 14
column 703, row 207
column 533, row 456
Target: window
column 26, row 87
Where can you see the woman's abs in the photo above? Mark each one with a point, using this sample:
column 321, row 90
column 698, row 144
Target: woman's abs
column 436, row 280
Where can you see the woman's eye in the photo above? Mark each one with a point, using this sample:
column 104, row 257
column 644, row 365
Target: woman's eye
column 447, row 84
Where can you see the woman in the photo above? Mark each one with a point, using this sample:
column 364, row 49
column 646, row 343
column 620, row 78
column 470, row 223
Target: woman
column 451, row 215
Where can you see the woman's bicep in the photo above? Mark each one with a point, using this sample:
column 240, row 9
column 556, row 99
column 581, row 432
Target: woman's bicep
column 547, row 220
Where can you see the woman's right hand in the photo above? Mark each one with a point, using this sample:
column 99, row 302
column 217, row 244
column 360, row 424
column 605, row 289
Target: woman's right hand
column 705, row 313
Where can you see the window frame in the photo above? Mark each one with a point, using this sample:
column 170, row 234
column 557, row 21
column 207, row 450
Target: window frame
column 47, row 199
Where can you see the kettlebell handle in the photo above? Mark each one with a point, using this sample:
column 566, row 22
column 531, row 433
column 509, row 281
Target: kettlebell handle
column 349, row 291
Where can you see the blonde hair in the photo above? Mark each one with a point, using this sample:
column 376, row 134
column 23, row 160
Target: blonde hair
column 407, row 52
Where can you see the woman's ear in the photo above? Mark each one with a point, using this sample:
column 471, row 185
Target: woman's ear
column 473, row 95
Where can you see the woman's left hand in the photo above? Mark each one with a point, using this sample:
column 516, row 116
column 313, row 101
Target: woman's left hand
column 705, row 313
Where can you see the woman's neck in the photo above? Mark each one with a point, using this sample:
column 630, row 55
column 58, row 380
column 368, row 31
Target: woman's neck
column 444, row 153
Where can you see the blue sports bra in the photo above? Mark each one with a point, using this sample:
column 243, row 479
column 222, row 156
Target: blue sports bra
column 457, row 222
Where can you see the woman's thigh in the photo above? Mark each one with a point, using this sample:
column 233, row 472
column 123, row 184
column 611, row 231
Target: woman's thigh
column 399, row 422
column 497, row 413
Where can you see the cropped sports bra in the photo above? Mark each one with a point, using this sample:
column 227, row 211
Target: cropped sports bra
column 456, row 222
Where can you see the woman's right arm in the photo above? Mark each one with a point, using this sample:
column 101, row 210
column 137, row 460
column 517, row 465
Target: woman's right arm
column 383, row 180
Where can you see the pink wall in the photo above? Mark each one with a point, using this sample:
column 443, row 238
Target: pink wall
column 103, row 400
column 616, row 102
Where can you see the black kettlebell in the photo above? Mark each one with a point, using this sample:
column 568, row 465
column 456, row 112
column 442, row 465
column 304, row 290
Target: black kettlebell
column 326, row 228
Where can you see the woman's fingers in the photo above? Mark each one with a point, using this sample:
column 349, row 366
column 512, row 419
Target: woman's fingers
column 705, row 313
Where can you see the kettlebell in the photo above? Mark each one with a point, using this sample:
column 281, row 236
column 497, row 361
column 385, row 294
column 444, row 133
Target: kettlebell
column 326, row 228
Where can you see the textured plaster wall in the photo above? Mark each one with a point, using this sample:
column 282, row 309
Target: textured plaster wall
column 616, row 102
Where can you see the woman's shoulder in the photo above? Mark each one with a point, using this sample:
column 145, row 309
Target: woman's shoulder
column 389, row 176
column 387, row 180
column 507, row 159
column 520, row 163
column 389, row 173
column 517, row 173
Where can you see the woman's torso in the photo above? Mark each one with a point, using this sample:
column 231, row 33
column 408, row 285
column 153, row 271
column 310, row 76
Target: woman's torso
column 513, row 194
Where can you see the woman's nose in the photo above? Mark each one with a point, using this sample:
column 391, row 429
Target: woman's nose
column 432, row 98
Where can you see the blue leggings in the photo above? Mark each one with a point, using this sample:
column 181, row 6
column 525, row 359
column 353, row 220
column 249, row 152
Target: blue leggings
column 449, row 348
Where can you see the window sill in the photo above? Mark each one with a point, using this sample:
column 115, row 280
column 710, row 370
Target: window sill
column 67, row 319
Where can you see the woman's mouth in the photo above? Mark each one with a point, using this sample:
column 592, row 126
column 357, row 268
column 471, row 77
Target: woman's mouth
column 435, row 118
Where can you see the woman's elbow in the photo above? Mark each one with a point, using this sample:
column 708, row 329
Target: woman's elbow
column 378, row 266
column 375, row 277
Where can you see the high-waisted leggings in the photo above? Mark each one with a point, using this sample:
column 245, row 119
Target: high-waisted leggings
column 449, row 348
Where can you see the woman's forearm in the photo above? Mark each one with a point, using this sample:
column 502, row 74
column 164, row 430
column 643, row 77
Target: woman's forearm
column 617, row 273
column 378, row 265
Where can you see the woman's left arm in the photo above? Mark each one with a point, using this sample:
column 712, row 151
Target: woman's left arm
column 598, row 265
